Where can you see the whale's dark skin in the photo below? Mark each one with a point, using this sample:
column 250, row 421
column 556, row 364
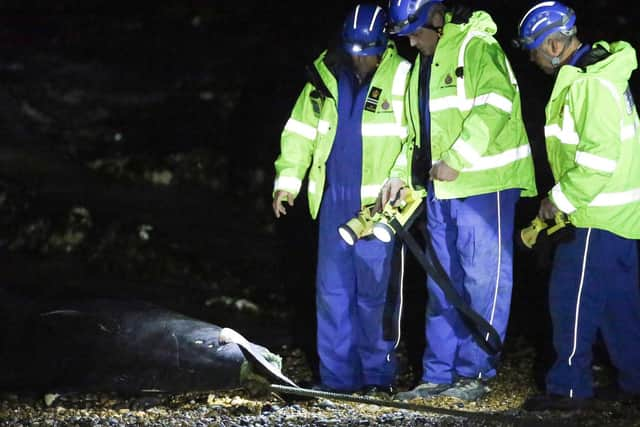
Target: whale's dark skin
column 127, row 347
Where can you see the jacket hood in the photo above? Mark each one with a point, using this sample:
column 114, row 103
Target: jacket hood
column 619, row 64
column 478, row 21
column 322, row 73
column 333, row 59
column 615, row 67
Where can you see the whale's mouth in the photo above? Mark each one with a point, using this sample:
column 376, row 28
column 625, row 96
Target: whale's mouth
column 263, row 361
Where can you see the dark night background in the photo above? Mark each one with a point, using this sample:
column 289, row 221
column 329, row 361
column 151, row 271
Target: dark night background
column 137, row 142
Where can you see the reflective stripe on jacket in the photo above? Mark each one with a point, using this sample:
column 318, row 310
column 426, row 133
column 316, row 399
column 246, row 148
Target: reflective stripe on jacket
column 476, row 118
column 307, row 138
column 593, row 143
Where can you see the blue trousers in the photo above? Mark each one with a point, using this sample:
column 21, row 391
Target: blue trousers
column 473, row 239
column 351, row 288
column 594, row 286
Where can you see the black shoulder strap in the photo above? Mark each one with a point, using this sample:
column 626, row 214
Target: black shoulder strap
column 485, row 334
column 315, row 79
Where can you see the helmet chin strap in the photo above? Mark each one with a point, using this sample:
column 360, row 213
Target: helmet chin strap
column 555, row 60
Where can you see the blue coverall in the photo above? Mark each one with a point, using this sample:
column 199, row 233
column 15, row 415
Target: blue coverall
column 594, row 288
column 351, row 282
column 473, row 240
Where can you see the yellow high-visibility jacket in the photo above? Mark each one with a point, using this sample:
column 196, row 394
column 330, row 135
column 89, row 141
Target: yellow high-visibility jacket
column 308, row 135
column 476, row 118
column 592, row 136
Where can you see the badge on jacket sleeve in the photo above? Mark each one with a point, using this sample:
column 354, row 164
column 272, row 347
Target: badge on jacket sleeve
column 316, row 102
column 372, row 99
column 628, row 98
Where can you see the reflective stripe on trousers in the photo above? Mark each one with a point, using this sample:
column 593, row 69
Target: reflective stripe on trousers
column 594, row 287
column 473, row 239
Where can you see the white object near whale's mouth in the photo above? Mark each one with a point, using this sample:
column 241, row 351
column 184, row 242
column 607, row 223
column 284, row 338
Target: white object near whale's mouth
column 228, row 336
column 252, row 352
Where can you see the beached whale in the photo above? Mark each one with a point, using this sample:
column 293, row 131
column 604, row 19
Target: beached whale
column 122, row 346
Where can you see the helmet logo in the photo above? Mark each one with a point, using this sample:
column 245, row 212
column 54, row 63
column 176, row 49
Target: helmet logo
column 542, row 20
column 364, row 31
column 409, row 15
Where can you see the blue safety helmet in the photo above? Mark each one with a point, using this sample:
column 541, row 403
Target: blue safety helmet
column 364, row 31
column 542, row 20
column 406, row 16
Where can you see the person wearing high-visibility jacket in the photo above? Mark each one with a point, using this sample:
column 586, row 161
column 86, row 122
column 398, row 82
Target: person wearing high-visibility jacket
column 469, row 151
column 346, row 131
column 592, row 135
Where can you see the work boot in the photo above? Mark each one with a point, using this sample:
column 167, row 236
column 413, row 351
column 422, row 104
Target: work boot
column 423, row 390
column 467, row 389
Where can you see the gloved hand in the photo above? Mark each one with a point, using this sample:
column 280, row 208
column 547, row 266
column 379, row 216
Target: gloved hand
column 441, row 171
column 394, row 189
column 547, row 209
column 280, row 197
